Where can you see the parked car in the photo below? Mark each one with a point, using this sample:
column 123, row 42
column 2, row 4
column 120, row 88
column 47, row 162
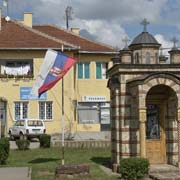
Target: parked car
column 27, row 128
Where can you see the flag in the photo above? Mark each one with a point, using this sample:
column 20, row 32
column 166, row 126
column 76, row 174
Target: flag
column 53, row 68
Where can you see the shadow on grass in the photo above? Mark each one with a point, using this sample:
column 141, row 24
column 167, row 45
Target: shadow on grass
column 105, row 161
column 43, row 160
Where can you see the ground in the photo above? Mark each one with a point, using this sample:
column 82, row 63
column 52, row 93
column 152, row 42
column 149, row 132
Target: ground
column 44, row 162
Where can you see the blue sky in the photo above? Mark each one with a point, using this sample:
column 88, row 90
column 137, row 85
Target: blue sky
column 106, row 21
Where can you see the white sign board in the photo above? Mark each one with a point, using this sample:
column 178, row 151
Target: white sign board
column 94, row 98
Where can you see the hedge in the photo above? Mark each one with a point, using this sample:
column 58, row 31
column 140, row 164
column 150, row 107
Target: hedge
column 4, row 150
column 134, row 168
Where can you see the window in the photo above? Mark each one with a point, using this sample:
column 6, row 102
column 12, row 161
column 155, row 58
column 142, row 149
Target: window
column 136, row 58
column 153, row 124
column 35, row 123
column 88, row 113
column 93, row 113
column 18, row 67
column 156, row 58
column 21, row 110
column 101, row 69
column 83, row 70
column 147, row 58
column 45, row 110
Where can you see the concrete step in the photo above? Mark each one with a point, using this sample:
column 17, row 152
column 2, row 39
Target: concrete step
column 160, row 168
column 165, row 176
column 164, row 172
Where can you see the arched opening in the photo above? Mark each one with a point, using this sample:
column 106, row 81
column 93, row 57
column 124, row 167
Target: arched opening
column 148, row 58
column 136, row 58
column 161, row 125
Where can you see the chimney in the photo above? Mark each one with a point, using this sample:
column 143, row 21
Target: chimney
column 28, row 19
column 75, row 30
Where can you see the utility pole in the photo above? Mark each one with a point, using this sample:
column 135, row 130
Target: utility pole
column 68, row 13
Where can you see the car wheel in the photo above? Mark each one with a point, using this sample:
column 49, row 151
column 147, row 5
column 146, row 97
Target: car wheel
column 21, row 136
column 11, row 137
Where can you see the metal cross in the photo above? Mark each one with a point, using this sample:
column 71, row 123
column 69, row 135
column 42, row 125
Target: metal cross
column 174, row 40
column 126, row 40
column 145, row 23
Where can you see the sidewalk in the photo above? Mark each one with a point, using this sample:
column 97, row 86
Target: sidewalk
column 33, row 145
column 15, row 173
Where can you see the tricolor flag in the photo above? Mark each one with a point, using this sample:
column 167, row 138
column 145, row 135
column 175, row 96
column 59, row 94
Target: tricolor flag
column 53, row 68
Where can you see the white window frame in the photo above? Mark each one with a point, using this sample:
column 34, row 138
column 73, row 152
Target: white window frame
column 21, row 109
column 45, row 116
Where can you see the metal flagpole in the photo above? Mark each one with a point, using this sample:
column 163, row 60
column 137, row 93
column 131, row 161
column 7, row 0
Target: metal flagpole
column 68, row 13
column 62, row 123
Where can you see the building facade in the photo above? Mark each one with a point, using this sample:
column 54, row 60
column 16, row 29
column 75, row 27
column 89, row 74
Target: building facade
column 22, row 48
column 145, row 102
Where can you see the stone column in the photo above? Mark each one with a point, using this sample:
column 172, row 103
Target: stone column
column 142, row 127
column 116, row 139
column 178, row 125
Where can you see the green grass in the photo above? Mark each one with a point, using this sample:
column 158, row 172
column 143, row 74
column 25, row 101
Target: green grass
column 44, row 161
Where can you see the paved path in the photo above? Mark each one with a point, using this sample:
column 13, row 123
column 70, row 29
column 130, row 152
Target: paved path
column 33, row 145
column 15, row 173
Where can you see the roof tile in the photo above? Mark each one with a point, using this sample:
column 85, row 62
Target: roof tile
column 84, row 43
column 16, row 35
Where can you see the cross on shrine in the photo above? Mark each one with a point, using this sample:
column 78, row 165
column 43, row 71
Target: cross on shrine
column 126, row 40
column 145, row 23
column 174, row 40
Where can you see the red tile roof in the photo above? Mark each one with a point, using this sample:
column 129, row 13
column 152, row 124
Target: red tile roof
column 84, row 43
column 15, row 35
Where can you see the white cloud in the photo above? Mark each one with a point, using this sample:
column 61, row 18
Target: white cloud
column 123, row 10
column 103, row 19
column 107, row 32
column 166, row 44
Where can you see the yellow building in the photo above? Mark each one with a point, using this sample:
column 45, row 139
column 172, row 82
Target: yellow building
column 22, row 49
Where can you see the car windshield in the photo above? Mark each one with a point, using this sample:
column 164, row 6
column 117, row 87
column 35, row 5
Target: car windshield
column 19, row 123
column 35, row 123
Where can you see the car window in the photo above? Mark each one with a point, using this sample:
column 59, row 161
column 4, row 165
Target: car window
column 17, row 123
column 21, row 123
column 35, row 123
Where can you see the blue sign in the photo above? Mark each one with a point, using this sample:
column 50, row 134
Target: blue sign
column 25, row 94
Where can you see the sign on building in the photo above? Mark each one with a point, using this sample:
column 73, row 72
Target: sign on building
column 25, row 94
column 94, row 99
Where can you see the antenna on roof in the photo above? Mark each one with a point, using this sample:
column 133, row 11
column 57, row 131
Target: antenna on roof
column 68, row 13
column 6, row 5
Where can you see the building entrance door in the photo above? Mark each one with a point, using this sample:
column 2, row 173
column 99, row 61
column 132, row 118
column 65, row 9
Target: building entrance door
column 155, row 133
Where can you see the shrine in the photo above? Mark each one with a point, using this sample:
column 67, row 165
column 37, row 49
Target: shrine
column 145, row 101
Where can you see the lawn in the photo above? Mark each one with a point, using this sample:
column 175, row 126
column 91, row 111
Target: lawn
column 44, row 161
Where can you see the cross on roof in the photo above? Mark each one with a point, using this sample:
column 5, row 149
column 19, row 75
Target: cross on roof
column 126, row 40
column 145, row 23
column 174, row 40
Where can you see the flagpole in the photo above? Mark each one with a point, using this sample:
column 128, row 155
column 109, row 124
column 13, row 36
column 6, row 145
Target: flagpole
column 62, row 123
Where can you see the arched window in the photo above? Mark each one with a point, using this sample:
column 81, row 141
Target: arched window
column 147, row 58
column 136, row 58
column 156, row 58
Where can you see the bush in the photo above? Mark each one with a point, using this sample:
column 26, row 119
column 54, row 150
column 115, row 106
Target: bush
column 4, row 150
column 134, row 168
column 45, row 141
column 23, row 144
